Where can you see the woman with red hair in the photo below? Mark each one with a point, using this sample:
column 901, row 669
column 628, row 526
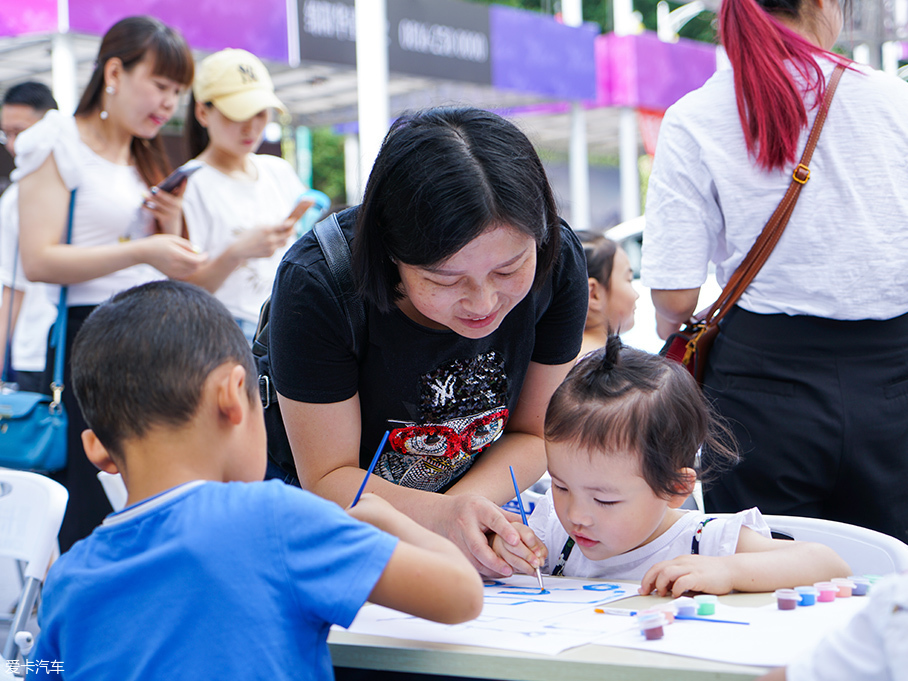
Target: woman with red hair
column 811, row 367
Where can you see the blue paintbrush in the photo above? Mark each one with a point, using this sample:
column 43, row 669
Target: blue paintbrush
column 708, row 619
column 381, row 446
column 523, row 516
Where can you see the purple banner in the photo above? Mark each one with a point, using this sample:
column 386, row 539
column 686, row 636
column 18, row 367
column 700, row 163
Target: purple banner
column 33, row 16
column 259, row 27
column 533, row 53
column 641, row 71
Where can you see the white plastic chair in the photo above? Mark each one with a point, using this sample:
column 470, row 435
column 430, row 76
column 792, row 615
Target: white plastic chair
column 114, row 488
column 31, row 512
column 867, row 552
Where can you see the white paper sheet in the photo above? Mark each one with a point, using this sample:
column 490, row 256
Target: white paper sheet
column 516, row 617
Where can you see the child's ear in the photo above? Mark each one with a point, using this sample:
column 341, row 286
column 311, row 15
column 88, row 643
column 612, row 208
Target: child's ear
column 232, row 400
column 685, row 488
column 97, row 453
column 201, row 114
column 597, row 291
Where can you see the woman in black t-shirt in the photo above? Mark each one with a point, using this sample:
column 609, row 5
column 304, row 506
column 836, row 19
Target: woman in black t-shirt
column 475, row 296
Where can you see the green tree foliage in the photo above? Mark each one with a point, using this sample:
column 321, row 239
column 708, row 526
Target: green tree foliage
column 328, row 164
column 600, row 12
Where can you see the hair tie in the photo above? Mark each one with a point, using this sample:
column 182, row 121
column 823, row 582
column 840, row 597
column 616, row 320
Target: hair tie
column 610, row 357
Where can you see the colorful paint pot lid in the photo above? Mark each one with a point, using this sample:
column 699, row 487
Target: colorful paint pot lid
column 786, row 594
column 826, row 586
column 842, row 581
column 861, row 585
column 650, row 619
column 807, row 590
column 684, row 604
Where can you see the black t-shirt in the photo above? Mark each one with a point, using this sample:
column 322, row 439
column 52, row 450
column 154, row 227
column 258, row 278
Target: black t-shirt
column 443, row 397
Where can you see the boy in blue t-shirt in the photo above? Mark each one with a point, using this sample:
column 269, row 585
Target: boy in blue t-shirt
column 208, row 573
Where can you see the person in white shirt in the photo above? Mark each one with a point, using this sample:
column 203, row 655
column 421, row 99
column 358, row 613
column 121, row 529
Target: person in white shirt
column 238, row 206
column 809, row 367
column 110, row 153
column 26, row 313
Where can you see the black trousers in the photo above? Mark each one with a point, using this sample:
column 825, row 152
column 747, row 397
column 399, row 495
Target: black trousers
column 87, row 504
column 819, row 408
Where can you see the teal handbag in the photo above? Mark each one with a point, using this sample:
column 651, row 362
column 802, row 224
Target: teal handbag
column 33, row 425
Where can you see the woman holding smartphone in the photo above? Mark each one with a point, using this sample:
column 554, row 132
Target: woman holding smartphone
column 240, row 206
column 111, row 154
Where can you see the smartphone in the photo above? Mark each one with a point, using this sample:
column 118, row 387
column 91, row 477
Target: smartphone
column 319, row 203
column 300, row 208
column 173, row 180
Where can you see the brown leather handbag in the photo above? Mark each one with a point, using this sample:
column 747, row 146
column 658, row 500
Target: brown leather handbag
column 692, row 343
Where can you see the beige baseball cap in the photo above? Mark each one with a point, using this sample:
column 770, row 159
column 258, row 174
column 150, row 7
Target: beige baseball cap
column 237, row 83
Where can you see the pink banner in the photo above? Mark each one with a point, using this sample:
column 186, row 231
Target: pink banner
column 641, row 71
column 24, row 18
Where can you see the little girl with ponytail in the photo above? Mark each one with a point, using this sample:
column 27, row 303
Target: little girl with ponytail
column 622, row 435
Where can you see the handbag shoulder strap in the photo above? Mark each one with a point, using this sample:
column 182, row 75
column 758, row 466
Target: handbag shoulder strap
column 334, row 245
column 58, row 339
column 759, row 253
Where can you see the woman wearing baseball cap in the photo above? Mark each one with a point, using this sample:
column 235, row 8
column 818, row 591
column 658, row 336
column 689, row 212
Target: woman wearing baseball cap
column 238, row 206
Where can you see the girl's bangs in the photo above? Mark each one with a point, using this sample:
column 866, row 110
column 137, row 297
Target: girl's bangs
column 172, row 59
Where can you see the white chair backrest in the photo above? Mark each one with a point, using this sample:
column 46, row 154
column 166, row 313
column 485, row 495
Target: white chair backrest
column 5, row 673
column 867, row 552
column 31, row 512
column 114, row 488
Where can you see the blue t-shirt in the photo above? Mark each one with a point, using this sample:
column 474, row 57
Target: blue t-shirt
column 210, row 581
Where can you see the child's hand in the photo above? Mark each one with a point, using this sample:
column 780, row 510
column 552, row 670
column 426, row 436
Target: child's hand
column 708, row 574
column 528, row 554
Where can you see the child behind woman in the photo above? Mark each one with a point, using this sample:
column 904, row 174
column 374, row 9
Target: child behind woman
column 613, row 298
column 622, row 434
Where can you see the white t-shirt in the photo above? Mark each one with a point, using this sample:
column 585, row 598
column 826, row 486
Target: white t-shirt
column 719, row 537
column 37, row 312
column 873, row 646
column 843, row 254
column 108, row 201
column 218, row 208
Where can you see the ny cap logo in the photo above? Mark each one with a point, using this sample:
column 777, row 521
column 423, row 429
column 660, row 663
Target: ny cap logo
column 247, row 73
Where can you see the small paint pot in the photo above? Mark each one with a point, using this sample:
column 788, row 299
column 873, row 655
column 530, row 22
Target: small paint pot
column 686, row 606
column 787, row 599
column 828, row 591
column 845, row 586
column 706, row 604
column 861, row 585
column 651, row 624
column 873, row 579
column 808, row 594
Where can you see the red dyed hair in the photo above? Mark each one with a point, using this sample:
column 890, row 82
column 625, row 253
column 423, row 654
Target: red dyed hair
column 770, row 100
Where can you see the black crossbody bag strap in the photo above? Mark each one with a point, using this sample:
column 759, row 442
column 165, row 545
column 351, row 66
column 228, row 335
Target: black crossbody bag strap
column 331, row 240
column 334, row 245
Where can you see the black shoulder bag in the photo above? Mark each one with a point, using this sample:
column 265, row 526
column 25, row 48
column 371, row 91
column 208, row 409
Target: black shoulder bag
column 337, row 254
